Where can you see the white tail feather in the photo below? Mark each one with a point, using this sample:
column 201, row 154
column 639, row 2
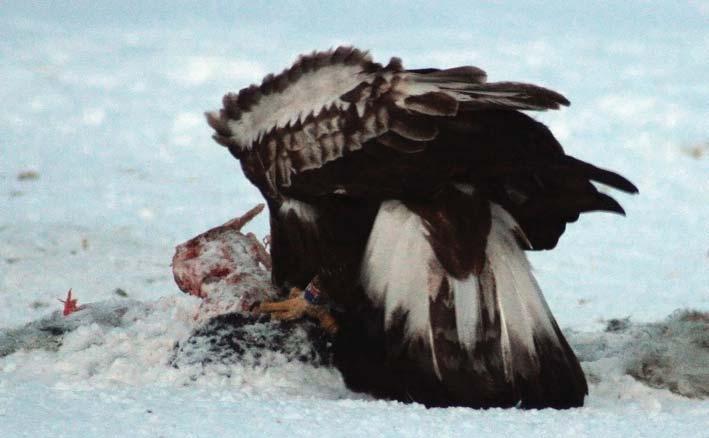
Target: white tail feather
column 397, row 274
column 523, row 310
column 395, row 270
column 466, row 294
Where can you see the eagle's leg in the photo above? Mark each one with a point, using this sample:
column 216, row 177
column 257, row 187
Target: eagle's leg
column 301, row 303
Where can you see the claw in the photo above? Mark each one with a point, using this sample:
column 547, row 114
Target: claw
column 292, row 308
column 296, row 307
column 325, row 318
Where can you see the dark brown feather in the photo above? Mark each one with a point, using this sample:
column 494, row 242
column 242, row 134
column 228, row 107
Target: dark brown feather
column 401, row 144
column 412, row 127
column 267, row 84
column 231, row 106
column 447, row 351
column 224, row 141
column 457, row 225
column 394, row 64
column 218, row 124
column 511, row 95
column 359, row 93
column 463, row 74
column 249, row 97
column 340, row 54
column 432, row 104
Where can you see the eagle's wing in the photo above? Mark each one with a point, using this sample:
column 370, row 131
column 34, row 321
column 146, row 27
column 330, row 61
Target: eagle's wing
column 328, row 105
column 338, row 123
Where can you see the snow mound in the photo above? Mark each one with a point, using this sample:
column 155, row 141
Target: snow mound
column 47, row 333
column 103, row 344
column 672, row 354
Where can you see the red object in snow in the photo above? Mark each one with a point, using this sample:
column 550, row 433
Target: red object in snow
column 70, row 304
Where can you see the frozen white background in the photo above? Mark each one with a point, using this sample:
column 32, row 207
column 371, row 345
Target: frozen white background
column 103, row 103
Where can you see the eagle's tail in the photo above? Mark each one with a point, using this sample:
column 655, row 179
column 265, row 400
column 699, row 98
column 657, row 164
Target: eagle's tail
column 464, row 320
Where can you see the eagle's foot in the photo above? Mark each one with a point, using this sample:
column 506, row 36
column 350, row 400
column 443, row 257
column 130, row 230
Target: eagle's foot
column 294, row 307
column 301, row 303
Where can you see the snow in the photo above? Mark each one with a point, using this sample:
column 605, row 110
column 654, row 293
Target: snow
column 106, row 164
column 215, row 412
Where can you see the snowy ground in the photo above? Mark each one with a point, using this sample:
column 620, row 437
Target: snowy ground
column 106, row 164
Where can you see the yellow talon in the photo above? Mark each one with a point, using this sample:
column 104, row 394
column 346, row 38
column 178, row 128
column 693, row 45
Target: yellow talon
column 296, row 307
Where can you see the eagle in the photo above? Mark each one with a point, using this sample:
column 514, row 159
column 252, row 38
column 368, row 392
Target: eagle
column 409, row 197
